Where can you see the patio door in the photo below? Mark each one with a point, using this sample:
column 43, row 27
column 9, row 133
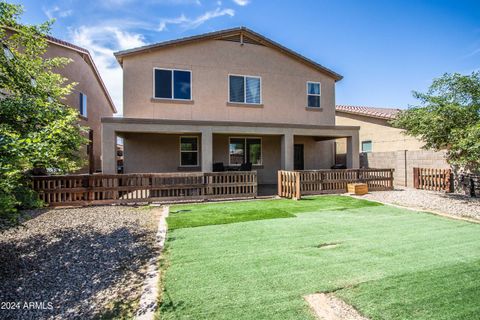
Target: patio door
column 298, row 161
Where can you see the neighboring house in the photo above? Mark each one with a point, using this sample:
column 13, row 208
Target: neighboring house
column 382, row 145
column 227, row 97
column 376, row 133
column 90, row 96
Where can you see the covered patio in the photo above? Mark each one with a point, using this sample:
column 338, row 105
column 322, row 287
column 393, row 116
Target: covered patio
column 183, row 145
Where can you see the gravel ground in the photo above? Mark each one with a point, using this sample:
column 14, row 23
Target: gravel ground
column 448, row 203
column 77, row 263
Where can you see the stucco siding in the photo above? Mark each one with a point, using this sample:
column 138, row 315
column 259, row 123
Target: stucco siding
column 384, row 137
column 147, row 152
column 211, row 61
column 98, row 105
column 317, row 154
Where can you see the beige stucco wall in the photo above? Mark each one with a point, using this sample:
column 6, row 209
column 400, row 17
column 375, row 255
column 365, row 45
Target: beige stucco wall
column 211, row 61
column 154, row 152
column 384, row 137
column 97, row 103
column 149, row 152
column 317, row 154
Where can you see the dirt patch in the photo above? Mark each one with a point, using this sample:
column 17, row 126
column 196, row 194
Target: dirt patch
column 328, row 245
column 328, row 307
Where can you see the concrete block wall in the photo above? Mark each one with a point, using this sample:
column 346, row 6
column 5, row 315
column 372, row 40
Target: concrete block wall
column 403, row 161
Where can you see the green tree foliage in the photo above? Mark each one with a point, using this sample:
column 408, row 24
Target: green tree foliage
column 36, row 128
column 448, row 118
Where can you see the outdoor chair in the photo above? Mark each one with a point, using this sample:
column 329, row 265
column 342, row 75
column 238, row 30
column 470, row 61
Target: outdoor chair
column 246, row 167
column 218, row 167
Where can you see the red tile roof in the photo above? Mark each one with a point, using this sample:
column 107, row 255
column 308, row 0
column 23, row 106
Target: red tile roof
column 65, row 43
column 382, row 113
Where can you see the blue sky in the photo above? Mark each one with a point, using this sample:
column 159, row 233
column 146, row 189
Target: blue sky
column 384, row 49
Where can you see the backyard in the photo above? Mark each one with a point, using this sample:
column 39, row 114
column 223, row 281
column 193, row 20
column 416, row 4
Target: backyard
column 258, row 259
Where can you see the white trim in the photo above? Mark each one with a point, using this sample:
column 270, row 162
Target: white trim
column 371, row 145
column 314, row 94
column 180, row 149
column 173, row 84
column 245, row 154
column 245, row 76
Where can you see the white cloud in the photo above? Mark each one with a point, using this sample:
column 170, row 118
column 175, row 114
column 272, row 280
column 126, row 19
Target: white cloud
column 102, row 42
column 189, row 23
column 164, row 22
column 55, row 12
column 242, row 2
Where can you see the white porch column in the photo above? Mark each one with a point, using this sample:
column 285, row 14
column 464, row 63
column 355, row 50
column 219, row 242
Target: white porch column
column 287, row 151
column 207, row 150
column 109, row 152
column 353, row 149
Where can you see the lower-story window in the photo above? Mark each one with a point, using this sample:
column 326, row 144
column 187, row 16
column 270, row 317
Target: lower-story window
column 243, row 150
column 188, row 151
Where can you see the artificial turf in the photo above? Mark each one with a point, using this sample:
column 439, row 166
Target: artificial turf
column 389, row 263
column 196, row 215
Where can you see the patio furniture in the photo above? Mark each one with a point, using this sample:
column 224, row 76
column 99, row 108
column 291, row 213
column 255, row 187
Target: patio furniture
column 218, row 167
column 245, row 166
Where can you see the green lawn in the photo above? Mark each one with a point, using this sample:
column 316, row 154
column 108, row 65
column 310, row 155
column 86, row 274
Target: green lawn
column 243, row 262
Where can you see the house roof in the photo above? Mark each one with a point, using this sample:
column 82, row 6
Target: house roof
column 381, row 113
column 89, row 59
column 227, row 35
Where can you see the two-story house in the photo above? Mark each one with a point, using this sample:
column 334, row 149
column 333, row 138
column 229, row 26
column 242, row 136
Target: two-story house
column 90, row 96
column 228, row 97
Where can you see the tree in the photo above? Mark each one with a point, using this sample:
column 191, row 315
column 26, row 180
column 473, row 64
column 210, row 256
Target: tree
column 448, row 117
column 36, row 128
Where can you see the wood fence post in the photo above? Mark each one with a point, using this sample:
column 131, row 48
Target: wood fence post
column 279, row 186
column 415, row 178
column 297, row 186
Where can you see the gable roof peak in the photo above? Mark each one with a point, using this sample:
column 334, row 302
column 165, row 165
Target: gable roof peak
column 218, row 35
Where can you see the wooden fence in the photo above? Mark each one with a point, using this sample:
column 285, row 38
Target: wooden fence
column 294, row 184
column 432, row 179
column 148, row 187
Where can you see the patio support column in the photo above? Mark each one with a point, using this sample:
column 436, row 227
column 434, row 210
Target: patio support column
column 109, row 152
column 287, row 151
column 353, row 156
column 207, row 150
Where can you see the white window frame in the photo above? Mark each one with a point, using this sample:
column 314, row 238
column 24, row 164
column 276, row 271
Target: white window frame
column 173, row 84
column 245, row 89
column 81, row 95
column 196, row 151
column 245, row 155
column 371, row 144
column 315, row 95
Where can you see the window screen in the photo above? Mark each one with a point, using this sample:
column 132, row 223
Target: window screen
column 245, row 89
column 313, row 94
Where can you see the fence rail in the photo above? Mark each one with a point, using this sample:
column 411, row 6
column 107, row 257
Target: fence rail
column 294, row 184
column 432, row 179
column 145, row 187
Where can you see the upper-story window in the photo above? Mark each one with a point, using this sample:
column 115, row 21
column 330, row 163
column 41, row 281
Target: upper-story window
column 245, row 89
column 313, row 94
column 172, row 84
column 82, row 108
